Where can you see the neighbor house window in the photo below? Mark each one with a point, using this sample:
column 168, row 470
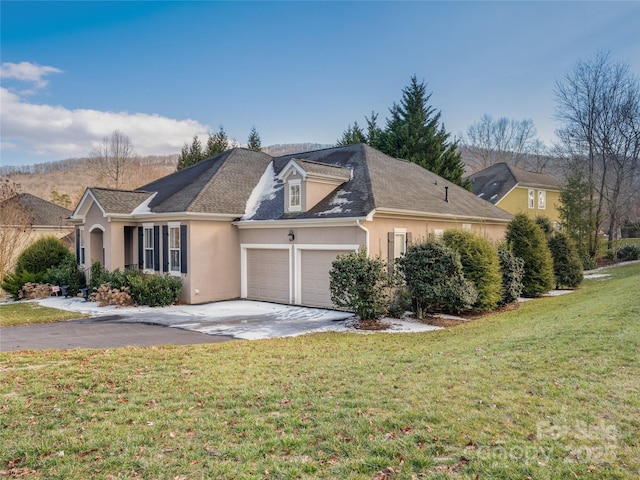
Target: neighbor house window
column 148, row 248
column 294, row 195
column 532, row 198
column 542, row 199
column 174, row 249
column 466, row 227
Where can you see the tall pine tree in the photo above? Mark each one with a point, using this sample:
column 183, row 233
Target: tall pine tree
column 217, row 143
column 254, row 142
column 190, row 154
column 414, row 132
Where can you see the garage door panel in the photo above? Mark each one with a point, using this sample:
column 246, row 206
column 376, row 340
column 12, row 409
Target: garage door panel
column 314, row 268
column 268, row 275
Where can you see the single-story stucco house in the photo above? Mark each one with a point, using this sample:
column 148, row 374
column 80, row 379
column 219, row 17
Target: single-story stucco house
column 244, row 224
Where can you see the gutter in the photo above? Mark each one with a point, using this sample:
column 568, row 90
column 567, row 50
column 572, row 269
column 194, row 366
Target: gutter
column 366, row 234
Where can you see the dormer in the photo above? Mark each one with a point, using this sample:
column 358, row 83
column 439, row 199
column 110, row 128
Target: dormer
column 307, row 183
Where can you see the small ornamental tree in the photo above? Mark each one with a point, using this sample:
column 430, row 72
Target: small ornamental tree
column 361, row 284
column 567, row 265
column 528, row 242
column 42, row 254
column 512, row 268
column 480, row 265
column 434, row 277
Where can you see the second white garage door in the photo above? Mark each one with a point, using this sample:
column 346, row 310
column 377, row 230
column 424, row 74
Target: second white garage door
column 268, row 275
column 314, row 276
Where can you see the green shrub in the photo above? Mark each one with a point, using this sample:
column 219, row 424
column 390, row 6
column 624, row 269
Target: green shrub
column 512, row 268
column 434, row 277
column 528, row 242
column 42, row 254
column 155, row 290
column 588, row 262
column 567, row 266
column 13, row 282
column 628, row 252
column 401, row 303
column 480, row 265
column 66, row 273
column 98, row 276
column 360, row 284
column 545, row 225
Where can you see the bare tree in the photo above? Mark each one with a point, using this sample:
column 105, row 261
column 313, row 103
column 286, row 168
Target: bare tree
column 112, row 158
column 15, row 225
column 492, row 141
column 598, row 104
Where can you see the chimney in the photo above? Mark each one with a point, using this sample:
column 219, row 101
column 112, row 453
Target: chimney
column 446, row 194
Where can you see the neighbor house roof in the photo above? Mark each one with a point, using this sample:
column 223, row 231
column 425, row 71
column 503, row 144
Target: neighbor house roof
column 42, row 212
column 377, row 182
column 494, row 182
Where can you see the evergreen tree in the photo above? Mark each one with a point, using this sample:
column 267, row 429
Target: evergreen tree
column 352, row 136
column 567, row 266
column 217, row 143
column 527, row 241
column 413, row 132
column 190, row 154
column 254, row 142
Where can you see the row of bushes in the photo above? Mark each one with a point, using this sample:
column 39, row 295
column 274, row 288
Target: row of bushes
column 144, row 289
column 460, row 272
column 48, row 262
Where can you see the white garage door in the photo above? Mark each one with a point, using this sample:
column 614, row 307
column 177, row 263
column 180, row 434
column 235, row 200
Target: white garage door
column 314, row 276
column 268, row 275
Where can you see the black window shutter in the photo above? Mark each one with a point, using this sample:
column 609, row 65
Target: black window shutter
column 140, row 248
column 390, row 250
column 183, row 248
column 77, row 245
column 165, row 248
column 156, row 248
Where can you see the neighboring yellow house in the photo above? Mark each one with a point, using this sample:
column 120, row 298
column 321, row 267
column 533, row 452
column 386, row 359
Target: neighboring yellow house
column 519, row 191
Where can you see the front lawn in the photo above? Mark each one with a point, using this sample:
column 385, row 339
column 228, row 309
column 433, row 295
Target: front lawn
column 550, row 390
column 26, row 313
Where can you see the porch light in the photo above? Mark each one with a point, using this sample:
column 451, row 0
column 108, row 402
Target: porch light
column 291, row 235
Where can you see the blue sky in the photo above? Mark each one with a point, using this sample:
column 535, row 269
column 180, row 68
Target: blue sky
column 72, row 72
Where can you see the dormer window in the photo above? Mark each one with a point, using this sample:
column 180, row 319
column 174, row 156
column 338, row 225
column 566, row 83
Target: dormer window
column 295, row 203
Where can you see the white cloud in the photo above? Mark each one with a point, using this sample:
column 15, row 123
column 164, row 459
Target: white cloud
column 55, row 132
column 27, row 72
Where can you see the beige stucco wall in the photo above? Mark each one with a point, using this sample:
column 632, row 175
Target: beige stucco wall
column 213, row 262
column 314, row 192
column 350, row 235
column 420, row 230
column 517, row 201
column 95, row 221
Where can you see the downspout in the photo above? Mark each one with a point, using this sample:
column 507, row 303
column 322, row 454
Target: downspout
column 366, row 234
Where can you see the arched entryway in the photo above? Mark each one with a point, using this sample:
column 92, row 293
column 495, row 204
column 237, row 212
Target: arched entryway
column 96, row 242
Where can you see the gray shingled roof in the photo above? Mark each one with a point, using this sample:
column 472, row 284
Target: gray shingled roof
column 496, row 181
column 220, row 184
column 378, row 181
column 324, row 169
column 42, row 212
column 119, row 201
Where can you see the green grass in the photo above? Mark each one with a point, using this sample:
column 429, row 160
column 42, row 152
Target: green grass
column 549, row 391
column 27, row 313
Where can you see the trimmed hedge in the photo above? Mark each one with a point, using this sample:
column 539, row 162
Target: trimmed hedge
column 512, row 268
column 528, row 242
column 567, row 265
column 361, row 284
column 434, row 277
column 480, row 265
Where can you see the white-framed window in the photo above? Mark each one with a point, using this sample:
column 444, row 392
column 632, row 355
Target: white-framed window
column 148, row 246
column 81, row 245
column 542, row 199
column 466, row 227
column 295, row 200
column 399, row 242
column 174, row 248
column 438, row 232
column 532, row 198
